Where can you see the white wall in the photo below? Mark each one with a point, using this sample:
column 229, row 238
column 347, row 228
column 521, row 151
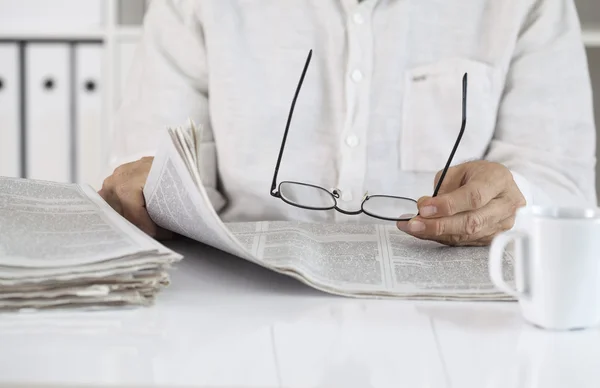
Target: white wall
column 116, row 25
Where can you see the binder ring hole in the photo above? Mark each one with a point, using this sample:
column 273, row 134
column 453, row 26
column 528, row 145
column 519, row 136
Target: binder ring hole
column 1, row 83
column 49, row 84
column 90, row 85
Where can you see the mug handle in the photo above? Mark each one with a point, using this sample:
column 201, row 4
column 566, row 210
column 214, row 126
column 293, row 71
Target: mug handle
column 496, row 258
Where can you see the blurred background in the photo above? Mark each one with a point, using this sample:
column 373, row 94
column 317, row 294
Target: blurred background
column 62, row 68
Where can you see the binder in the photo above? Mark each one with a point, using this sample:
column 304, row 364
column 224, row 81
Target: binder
column 88, row 115
column 48, row 151
column 10, row 121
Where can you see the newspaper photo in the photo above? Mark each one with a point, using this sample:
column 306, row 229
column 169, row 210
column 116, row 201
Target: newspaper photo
column 349, row 259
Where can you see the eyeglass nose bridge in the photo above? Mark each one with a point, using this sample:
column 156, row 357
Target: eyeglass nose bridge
column 337, row 194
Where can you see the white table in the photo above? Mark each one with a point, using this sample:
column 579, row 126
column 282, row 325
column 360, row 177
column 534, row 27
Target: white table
column 227, row 323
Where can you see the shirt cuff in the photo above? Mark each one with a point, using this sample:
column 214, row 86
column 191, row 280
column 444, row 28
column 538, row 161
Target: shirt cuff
column 524, row 186
column 527, row 189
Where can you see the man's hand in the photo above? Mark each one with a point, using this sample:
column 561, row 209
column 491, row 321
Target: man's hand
column 123, row 191
column 476, row 201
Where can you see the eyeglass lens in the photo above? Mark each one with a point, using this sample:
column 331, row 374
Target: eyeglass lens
column 386, row 207
column 305, row 195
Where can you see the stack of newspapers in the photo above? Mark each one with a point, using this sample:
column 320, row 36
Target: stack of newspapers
column 62, row 246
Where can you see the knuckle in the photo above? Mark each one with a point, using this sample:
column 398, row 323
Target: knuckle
column 515, row 205
column 475, row 198
column 514, row 208
column 457, row 239
column 450, row 206
column 122, row 189
column 108, row 184
column 507, row 224
column 439, row 228
column 121, row 170
column 474, row 224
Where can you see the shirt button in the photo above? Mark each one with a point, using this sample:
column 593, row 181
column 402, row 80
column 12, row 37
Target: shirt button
column 356, row 76
column 352, row 141
column 358, row 18
column 346, row 196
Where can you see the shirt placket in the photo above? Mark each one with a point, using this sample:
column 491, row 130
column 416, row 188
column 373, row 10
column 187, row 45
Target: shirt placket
column 353, row 147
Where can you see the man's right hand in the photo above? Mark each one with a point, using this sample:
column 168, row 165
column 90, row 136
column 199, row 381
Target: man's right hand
column 123, row 191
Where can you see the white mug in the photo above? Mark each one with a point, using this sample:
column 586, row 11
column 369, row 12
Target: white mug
column 557, row 266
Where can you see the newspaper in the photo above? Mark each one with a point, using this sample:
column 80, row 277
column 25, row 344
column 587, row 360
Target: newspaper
column 359, row 260
column 62, row 245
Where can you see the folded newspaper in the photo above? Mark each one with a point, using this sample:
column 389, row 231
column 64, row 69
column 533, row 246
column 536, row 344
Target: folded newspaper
column 350, row 259
column 61, row 246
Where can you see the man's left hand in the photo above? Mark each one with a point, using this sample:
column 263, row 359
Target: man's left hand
column 476, row 201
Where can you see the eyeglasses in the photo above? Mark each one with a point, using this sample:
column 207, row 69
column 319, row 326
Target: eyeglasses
column 313, row 197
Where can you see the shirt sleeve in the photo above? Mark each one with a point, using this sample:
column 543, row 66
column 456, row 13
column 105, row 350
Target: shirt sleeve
column 167, row 86
column 545, row 132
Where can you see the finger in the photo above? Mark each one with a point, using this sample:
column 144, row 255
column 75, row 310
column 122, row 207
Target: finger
column 110, row 197
column 486, row 236
column 138, row 215
column 482, row 238
column 164, row 234
column 507, row 224
column 470, row 223
column 452, row 180
column 472, row 196
column 134, row 208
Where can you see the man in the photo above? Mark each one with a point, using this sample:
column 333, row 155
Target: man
column 379, row 110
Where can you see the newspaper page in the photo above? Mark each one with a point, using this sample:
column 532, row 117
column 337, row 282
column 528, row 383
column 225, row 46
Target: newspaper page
column 345, row 259
column 46, row 224
column 61, row 245
column 176, row 201
column 371, row 259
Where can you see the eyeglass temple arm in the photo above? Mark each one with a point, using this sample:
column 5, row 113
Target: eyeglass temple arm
column 287, row 126
column 460, row 134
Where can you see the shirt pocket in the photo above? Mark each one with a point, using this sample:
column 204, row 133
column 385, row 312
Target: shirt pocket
column 432, row 114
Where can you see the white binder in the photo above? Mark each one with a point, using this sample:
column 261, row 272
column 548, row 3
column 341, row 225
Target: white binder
column 88, row 115
column 48, row 123
column 10, row 123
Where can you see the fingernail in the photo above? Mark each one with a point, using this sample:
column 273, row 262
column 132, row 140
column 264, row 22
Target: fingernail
column 416, row 226
column 428, row 211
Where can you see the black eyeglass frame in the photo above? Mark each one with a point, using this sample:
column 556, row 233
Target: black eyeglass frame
column 276, row 189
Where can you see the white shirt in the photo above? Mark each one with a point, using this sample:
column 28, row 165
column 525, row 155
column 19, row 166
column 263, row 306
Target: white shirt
column 380, row 107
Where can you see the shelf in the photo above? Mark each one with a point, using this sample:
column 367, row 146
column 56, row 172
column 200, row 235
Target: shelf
column 93, row 34
column 128, row 32
column 591, row 37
